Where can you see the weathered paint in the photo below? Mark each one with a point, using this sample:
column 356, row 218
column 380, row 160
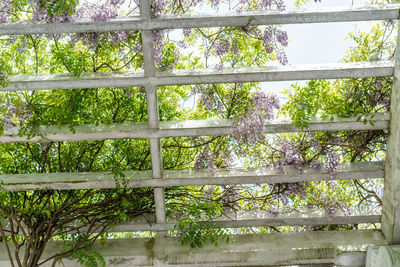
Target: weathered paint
column 152, row 112
column 200, row 76
column 247, row 250
column 265, row 17
column 185, row 128
column 391, row 196
column 261, row 175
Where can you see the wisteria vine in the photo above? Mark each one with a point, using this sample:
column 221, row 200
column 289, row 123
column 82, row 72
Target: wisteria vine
column 248, row 126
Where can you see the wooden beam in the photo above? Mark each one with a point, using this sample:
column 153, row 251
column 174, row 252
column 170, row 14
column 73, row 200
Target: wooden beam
column 152, row 112
column 250, row 218
column 265, row 17
column 185, row 128
column 66, row 181
column 257, row 218
column 246, row 250
column 391, row 197
column 199, row 76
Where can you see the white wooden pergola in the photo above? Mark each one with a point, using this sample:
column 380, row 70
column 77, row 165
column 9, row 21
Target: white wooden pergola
column 345, row 248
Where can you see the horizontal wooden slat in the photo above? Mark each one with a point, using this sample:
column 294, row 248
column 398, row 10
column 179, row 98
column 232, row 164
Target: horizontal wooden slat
column 185, row 128
column 179, row 77
column 37, row 181
column 253, row 218
column 267, row 17
column 247, row 250
column 279, row 73
column 257, row 218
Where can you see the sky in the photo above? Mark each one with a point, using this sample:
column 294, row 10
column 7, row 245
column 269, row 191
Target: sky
column 318, row 43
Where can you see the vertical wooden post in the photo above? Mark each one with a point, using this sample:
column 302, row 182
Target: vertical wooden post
column 391, row 197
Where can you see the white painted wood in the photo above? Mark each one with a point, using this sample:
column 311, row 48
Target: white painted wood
column 152, row 113
column 335, row 14
column 388, row 256
column 279, row 221
column 372, row 252
column 148, row 54
column 346, row 171
column 391, row 197
column 179, row 77
column 185, row 128
column 156, row 158
column 351, row 259
column 253, row 218
column 257, row 218
column 145, row 11
column 247, row 250
column 279, row 73
column 152, row 107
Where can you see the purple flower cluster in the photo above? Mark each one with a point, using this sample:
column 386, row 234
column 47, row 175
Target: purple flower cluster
column 282, row 37
column 158, row 7
column 284, row 193
column 208, row 98
column 208, row 192
column 214, row 3
column 222, row 47
column 5, row 10
column 291, row 156
column 297, row 189
column 268, row 39
column 273, row 40
column 280, row 5
column 282, row 58
column 331, row 205
column 205, row 160
column 92, row 39
column 264, row 4
column 100, row 12
column 104, row 13
column 234, row 48
column 219, row 66
column 250, row 127
column 187, row 32
column 15, row 114
column 158, row 44
column 332, row 162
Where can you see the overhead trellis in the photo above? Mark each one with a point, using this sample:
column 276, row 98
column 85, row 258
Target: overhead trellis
column 156, row 129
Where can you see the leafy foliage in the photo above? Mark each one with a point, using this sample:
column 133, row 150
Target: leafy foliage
column 198, row 233
column 350, row 97
column 89, row 258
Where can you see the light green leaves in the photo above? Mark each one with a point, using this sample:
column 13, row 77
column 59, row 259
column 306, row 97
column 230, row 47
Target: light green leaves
column 73, row 59
column 317, row 98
